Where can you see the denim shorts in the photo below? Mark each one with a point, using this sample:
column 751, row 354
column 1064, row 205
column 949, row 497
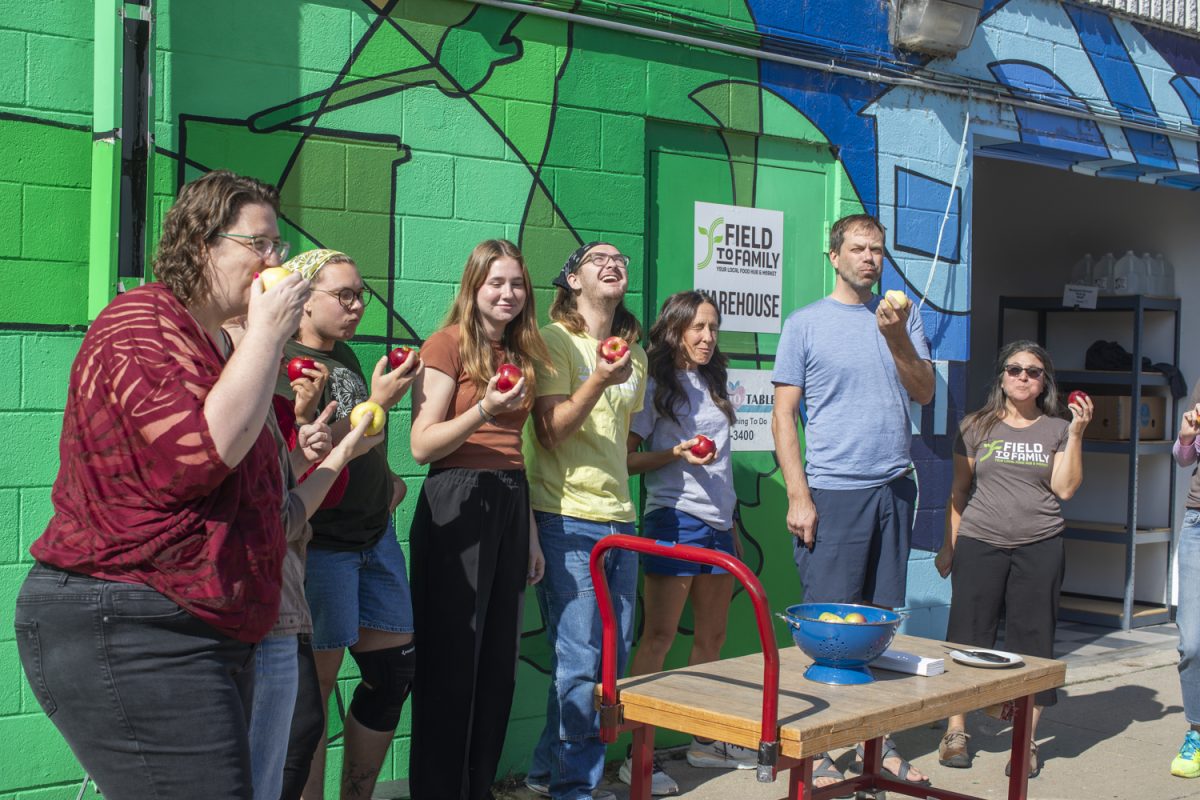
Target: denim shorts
column 348, row 590
column 672, row 526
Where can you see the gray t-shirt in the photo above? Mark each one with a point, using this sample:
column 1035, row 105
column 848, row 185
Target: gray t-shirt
column 704, row 492
column 1011, row 503
column 857, row 428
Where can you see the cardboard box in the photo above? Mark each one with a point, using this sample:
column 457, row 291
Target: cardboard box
column 1110, row 419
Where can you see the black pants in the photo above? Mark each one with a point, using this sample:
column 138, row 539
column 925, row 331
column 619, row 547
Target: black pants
column 308, row 723
column 152, row 701
column 1022, row 581
column 470, row 556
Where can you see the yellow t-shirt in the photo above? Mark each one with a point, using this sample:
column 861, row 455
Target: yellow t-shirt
column 586, row 475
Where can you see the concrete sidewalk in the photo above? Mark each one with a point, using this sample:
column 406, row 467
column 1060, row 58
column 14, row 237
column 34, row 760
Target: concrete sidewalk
column 1112, row 735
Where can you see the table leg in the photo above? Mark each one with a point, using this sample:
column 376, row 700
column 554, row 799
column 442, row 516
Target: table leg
column 1022, row 733
column 800, row 780
column 643, row 762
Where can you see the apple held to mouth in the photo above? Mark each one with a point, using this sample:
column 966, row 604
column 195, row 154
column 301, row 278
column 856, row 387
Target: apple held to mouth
column 1076, row 396
column 378, row 418
column 702, row 448
column 897, row 298
column 296, row 367
column 613, row 348
column 397, row 357
column 272, row 275
column 507, row 376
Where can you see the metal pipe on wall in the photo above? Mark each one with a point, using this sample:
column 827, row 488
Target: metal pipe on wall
column 105, row 212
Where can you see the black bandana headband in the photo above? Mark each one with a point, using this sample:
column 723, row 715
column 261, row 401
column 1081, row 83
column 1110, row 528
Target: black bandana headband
column 572, row 264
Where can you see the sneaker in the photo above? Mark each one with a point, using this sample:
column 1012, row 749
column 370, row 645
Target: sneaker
column 1187, row 763
column 661, row 784
column 721, row 755
column 541, row 786
column 952, row 752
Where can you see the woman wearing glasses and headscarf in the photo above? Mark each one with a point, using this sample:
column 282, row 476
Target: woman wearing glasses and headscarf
column 1015, row 459
column 161, row 567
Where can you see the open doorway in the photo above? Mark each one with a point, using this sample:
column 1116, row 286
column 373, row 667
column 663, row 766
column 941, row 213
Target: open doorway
column 1030, row 225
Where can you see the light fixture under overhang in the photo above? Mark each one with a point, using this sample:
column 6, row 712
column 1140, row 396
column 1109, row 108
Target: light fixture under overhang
column 939, row 27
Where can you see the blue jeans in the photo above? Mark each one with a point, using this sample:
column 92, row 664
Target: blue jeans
column 569, row 751
column 1187, row 615
column 276, row 678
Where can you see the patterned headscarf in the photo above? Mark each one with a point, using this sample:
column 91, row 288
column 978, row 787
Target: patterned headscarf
column 309, row 263
column 572, row 264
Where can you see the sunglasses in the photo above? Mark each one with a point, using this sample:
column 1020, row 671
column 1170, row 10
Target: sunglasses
column 1015, row 370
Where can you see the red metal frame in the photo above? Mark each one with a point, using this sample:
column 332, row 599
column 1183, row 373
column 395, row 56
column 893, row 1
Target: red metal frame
column 800, row 781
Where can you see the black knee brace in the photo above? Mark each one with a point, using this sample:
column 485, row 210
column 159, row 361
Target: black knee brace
column 387, row 677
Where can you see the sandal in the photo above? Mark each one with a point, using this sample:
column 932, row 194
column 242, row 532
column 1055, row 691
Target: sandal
column 1035, row 767
column 827, row 769
column 889, row 751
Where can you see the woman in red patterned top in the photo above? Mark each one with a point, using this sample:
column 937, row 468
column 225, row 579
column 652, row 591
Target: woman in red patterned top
column 161, row 567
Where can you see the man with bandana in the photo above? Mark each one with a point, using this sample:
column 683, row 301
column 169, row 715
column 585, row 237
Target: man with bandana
column 579, row 490
column 356, row 580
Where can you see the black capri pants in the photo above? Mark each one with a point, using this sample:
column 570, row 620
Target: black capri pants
column 1023, row 582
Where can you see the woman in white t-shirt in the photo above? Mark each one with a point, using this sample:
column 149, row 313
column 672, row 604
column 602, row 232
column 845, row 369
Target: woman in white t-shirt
column 689, row 498
column 1015, row 459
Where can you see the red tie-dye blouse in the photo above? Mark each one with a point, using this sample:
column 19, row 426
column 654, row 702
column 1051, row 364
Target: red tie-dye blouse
column 141, row 494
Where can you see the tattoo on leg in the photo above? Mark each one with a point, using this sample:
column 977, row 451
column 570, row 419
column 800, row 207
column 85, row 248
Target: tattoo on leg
column 358, row 781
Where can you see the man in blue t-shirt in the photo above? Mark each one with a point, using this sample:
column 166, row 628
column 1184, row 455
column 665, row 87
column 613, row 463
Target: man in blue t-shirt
column 854, row 359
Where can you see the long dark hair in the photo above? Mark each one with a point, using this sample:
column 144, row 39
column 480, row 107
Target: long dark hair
column 994, row 407
column 666, row 341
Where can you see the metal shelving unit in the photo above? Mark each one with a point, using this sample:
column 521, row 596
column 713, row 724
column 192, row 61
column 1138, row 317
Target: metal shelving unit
column 1124, row 612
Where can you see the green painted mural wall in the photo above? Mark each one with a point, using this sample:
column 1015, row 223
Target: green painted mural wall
column 403, row 138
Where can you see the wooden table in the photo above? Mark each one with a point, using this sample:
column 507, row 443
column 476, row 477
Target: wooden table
column 724, row 700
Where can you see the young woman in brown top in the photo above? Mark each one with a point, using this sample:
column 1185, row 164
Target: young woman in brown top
column 1014, row 460
column 474, row 545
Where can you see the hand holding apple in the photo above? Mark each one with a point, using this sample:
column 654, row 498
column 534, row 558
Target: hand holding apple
column 614, row 366
column 276, row 313
column 892, row 314
column 398, row 356
column 296, row 367
column 498, row 400
column 897, row 298
column 307, row 388
column 1081, row 411
column 388, row 386
column 704, row 446
column 507, row 377
column 273, row 275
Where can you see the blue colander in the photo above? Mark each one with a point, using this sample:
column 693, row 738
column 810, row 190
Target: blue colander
column 841, row 650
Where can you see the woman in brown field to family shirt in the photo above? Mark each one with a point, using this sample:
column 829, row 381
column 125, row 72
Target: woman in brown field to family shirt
column 1015, row 459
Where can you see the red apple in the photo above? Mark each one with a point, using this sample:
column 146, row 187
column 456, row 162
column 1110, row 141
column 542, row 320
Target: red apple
column 613, row 348
column 1076, row 397
column 296, row 367
column 398, row 356
column 703, row 447
column 507, row 377
column 855, row 618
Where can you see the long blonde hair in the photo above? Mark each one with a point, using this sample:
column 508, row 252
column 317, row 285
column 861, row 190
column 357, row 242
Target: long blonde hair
column 521, row 340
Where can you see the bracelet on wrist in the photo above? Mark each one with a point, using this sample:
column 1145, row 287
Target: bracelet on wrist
column 483, row 414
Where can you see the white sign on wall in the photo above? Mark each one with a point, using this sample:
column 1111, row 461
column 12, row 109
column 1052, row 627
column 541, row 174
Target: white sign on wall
column 739, row 261
column 753, row 398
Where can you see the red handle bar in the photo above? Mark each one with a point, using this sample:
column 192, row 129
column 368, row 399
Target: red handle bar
column 768, row 747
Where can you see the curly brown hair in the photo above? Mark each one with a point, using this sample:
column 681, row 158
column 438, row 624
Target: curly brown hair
column 205, row 207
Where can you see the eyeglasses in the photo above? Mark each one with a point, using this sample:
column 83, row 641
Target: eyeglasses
column 262, row 246
column 603, row 260
column 1015, row 370
column 346, row 297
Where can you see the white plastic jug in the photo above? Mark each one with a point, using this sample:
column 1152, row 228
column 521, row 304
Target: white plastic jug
column 1165, row 274
column 1127, row 274
column 1081, row 272
column 1102, row 274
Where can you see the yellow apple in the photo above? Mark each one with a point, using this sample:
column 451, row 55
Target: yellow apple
column 273, row 275
column 829, row 616
column 377, row 416
column 897, row 298
column 855, row 618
